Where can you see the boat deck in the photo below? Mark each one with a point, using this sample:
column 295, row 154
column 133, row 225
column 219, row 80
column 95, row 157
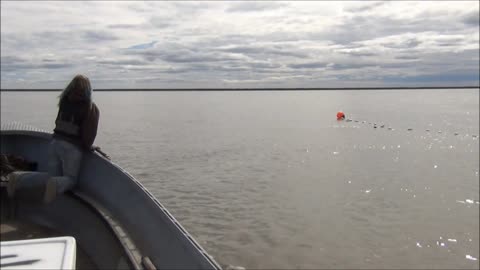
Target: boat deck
column 12, row 229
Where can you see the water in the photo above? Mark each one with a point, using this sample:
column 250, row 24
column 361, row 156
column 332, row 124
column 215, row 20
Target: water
column 272, row 180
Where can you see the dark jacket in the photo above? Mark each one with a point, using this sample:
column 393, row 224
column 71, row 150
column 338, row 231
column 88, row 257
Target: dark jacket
column 77, row 123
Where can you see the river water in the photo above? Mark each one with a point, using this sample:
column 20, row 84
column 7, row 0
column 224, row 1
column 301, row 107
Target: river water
column 271, row 179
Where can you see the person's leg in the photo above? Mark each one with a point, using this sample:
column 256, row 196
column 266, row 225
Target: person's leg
column 54, row 162
column 71, row 157
column 28, row 181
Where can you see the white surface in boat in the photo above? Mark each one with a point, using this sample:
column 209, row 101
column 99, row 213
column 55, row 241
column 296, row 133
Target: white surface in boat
column 43, row 253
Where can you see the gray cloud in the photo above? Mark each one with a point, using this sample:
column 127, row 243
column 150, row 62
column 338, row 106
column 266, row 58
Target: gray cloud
column 54, row 65
column 95, row 35
column 472, row 19
column 253, row 6
column 50, row 37
column 258, row 49
column 359, row 53
column 197, row 57
column 343, row 66
column 311, row 65
column 124, row 26
column 142, row 7
column 190, row 8
column 397, row 65
column 183, row 56
column 33, row 66
column 404, row 44
column 365, row 7
column 367, row 27
column 12, row 59
column 162, row 22
column 132, row 62
column 406, row 57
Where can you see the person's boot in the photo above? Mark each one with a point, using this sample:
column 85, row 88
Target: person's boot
column 50, row 190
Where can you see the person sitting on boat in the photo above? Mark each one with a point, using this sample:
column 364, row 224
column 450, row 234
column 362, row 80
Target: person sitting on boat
column 75, row 131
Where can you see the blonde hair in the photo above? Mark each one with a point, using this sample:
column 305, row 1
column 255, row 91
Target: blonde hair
column 79, row 83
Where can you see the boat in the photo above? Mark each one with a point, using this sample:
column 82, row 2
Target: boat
column 115, row 221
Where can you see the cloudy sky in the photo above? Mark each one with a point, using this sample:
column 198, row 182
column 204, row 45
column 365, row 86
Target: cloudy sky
column 204, row 44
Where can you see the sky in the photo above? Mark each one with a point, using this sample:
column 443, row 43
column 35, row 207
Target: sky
column 234, row 44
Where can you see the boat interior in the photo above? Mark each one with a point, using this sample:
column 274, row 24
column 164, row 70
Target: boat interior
column 116, row 222
column 98, row 245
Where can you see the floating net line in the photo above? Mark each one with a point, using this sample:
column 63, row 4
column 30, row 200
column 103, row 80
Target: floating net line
column 375, row 125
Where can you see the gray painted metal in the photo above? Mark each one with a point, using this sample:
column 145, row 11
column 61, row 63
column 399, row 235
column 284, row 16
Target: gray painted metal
column 154, row 231
column 70, row 216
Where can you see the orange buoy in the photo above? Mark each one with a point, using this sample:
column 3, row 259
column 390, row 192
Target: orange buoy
column 340, row 116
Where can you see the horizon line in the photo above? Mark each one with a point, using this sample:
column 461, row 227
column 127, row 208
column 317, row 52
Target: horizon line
column 244, row 89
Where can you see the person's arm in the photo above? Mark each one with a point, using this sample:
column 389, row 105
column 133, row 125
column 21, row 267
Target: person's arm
column 90, row 126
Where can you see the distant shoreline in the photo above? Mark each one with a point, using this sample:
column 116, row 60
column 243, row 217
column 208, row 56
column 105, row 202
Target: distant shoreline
column 247, row 89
